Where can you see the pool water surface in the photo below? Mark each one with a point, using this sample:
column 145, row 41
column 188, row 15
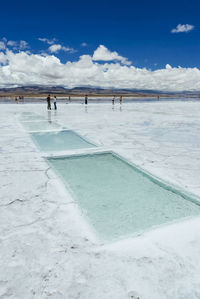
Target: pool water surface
column 59, row 141
column 117, row 198
column 40, row 125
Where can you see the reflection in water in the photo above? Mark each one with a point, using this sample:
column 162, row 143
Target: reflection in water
column 49, row 117
column 120, row 108
column 86, row 109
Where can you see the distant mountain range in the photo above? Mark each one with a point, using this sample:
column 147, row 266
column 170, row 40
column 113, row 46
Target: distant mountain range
column 59, row 90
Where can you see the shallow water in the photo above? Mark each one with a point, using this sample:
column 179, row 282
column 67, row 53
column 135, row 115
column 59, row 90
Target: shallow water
column 30, row 117
column 40, row 125
column 117, row 199
column 58, row 141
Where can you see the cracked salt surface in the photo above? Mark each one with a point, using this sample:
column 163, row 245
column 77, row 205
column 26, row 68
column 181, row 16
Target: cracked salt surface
column 46, row 248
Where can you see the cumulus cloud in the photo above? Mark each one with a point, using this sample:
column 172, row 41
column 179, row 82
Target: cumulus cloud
column 16, row 45
column 54, row 48
column 57, row 47
column 103, row 54
column 23, row 68
column 3, row 58
column 2, row 45
column 182, row 28
column 12, row 43
column 46, row 40
column 168, row 66
column 23, row 44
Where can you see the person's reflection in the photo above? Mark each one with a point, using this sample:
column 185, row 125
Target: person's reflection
column 49, row 117
column 120, row 108
column 86, row 109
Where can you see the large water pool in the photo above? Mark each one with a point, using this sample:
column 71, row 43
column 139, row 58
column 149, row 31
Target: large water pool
column 62, row 140
column 117, row 198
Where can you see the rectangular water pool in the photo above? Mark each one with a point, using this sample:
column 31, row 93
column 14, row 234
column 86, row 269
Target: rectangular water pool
column 117, row 198
column 60, row 141
column 30, row 117
column 41, row 125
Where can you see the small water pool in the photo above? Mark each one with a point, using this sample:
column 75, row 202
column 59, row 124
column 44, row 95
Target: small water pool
column 40, row 125
column 117, row 198
column 59, row 141
column 30, row 117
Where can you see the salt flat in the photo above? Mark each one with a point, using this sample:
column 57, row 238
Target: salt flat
column 47, row 249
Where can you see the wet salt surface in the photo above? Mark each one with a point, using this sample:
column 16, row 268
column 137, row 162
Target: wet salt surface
column 47, row 250
column 186, row 134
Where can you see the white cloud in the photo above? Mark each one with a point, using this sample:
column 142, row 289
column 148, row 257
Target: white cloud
column 23, row 44
column 182, row 28
column 2, row 46
column 103, row 54
column 168, row 66
column 17, row 45
column 48, row 41
column 12, row 43
column 3, row 58
column 24, row 68
column 56, row 48
column 84, row 45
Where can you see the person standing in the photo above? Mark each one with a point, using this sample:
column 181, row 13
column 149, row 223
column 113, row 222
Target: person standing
column 54, row 102
column 49, row 102
column 86, row 98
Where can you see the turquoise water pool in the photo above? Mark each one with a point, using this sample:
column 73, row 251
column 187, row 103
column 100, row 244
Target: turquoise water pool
column 117, row 198
column 40, row 125
column 62, row 140
column 30, row 117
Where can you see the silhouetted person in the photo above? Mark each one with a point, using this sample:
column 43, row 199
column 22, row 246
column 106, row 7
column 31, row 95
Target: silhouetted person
column 54, row 102
column 49, row 102
column 86, row 100
column 113, row 100
column 120, row 100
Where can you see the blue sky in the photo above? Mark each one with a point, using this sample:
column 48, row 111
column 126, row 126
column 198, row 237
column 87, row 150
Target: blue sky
column 122, row 44
column 138, row 30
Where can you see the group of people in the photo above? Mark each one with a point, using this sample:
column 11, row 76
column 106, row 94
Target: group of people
column 19, row 99
column 49, row 102
column 86, row 101
column 114, row 98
